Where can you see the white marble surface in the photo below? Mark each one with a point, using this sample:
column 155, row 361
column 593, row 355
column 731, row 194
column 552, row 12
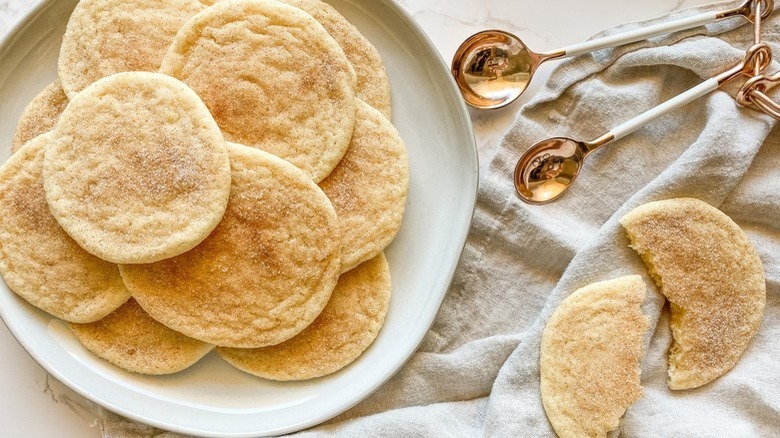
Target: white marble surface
column 35, row 405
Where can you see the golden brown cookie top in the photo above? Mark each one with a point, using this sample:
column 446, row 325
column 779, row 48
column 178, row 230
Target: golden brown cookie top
column 273, row 79
column 713, row 278
column 137, row 169
column 345, row 328
column 40, row 115
column 369, row 186
column 38, row 260
column 373, row 85
column 130, row 339
column 590, row 357
column 104, row 37
column 266, row 271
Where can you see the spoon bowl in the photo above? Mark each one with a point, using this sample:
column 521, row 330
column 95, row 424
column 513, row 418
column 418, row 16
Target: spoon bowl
column 492, row 68
column 548, row 168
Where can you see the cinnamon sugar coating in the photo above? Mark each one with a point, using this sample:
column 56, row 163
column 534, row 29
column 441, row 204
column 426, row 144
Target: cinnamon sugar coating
column 266, row 271
column 272, row 77
column 712, row 277
column 590, row 357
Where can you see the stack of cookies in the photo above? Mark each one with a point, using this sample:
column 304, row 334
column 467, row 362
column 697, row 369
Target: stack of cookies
column 209, row 174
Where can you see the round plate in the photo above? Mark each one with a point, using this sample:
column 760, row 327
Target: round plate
column 212, row 398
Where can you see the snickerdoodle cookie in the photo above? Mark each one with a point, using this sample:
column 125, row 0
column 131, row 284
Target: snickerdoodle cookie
column 273, row 78
column 38, row 260
column 369, row 186
column 590, row 357
column 373, row 86
column 40, row 115
column 266, row 271
column 104, row 37
column 146, row 178
column 132, row 340
column 345, row 328
column 712, row 277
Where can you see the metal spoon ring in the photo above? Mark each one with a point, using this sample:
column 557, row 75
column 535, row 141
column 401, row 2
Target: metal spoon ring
column 744, row 95
column 767, row 6
column 765, row 104
column 757, row 58
column 759, row 55
column 759, row 83
column 752, row 94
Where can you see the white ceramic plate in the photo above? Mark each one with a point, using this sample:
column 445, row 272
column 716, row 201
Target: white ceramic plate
column 213, row 398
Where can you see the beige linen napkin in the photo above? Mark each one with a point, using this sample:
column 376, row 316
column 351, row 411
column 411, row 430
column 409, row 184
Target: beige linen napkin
column 477, row 373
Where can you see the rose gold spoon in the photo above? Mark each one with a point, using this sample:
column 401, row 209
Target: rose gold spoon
column 492, row 68
column 549, row 167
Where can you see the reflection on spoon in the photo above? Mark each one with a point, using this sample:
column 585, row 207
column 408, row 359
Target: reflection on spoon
column 492, row 68
column 548, row 168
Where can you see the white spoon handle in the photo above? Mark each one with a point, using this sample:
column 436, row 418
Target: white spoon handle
column 640, row 34
column 672, row 104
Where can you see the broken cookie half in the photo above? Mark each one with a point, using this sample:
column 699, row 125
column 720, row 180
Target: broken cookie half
column 590, row 357
column 710, row 273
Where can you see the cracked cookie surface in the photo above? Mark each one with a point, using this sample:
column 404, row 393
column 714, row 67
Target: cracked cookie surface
column 266, row 271
column 147, row 178
column 38, row 260
column 712, row 277
column 272, row 77
column 345, row 328
column 104, row 37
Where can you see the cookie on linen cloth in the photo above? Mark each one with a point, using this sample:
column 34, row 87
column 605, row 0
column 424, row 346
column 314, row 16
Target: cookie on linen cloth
column 345, row 328
column 273, row 78
column 266, row 271
column 712, row 277
column 131, row 339
column 104, row 37
column 373, row 85
column 137, row 170
column 40, row 115
column 590, row 357
column 38, row 260
column 368, row 188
